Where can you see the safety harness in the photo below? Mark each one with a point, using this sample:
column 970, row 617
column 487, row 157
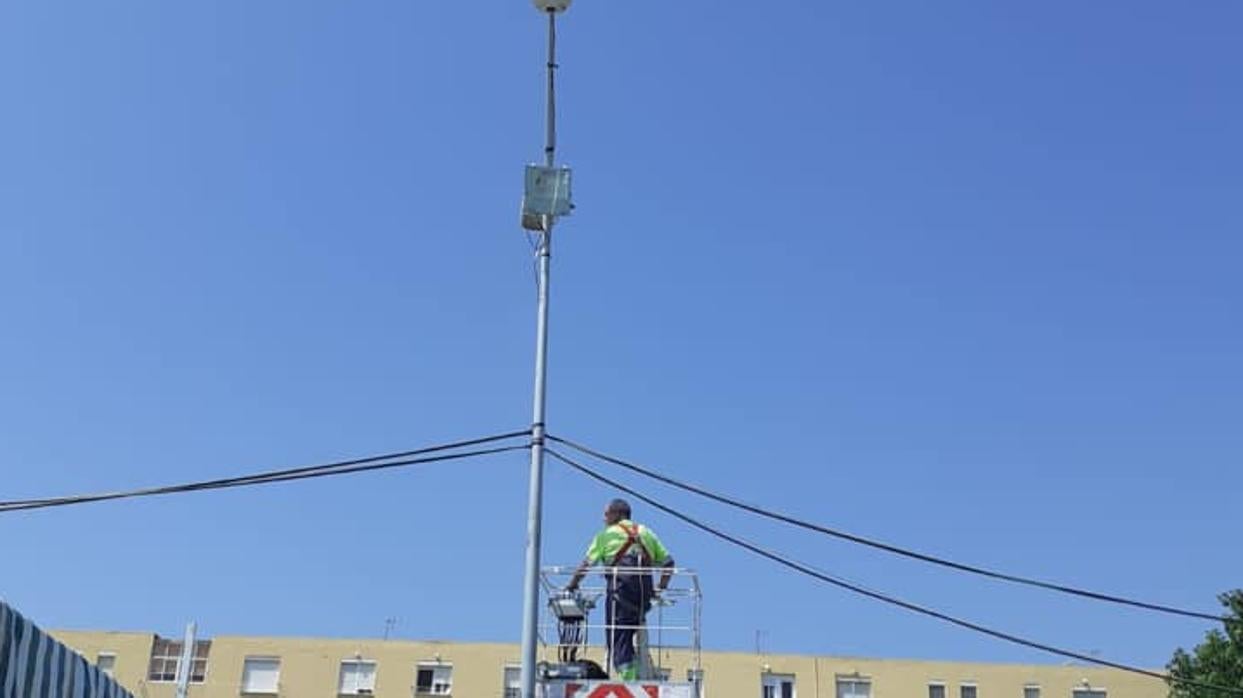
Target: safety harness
column 632, row 539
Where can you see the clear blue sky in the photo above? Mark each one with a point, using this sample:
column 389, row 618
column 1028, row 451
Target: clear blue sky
column 963, row 276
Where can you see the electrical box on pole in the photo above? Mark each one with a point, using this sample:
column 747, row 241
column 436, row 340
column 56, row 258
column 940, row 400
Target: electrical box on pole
column 545, row 196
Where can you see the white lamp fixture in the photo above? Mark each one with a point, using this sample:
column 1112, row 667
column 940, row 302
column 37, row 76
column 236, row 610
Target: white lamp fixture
column 552, row 5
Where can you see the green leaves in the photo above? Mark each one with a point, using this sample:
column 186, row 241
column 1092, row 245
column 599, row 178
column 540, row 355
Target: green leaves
column 1217, row 660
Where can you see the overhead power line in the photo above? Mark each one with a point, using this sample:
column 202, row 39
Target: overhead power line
column 887, row 547
column 885, row 598
column 357, row 465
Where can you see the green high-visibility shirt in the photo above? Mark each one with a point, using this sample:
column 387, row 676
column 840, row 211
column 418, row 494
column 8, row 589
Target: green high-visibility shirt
column 607, row 543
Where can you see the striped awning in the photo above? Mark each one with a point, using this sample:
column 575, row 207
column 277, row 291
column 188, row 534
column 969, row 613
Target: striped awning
column 34, row 665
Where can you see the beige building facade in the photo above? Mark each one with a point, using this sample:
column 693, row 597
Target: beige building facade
column 230, row 666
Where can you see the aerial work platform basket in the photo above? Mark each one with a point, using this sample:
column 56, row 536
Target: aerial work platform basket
column 575, row 630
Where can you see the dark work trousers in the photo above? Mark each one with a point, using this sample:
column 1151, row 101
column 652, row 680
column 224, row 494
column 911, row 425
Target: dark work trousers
column 629, row 598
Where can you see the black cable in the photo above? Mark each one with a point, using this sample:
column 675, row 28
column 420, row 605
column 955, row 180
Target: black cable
column 884, row 597
column 208, row 484
column 379, row 462
column 244, row 482
column 879, row 545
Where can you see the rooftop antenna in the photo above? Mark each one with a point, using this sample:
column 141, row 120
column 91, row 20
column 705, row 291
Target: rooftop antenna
column 546, row 196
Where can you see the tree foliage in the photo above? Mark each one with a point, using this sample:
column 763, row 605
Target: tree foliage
column 1217, row 660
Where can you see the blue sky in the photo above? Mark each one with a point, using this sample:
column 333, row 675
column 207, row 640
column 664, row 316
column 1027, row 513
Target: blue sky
column 963, row 277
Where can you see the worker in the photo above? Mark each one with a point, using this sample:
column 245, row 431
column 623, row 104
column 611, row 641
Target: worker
column 623, row 545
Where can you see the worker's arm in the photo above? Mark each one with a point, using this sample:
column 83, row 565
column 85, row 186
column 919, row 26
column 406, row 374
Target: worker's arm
column 594, row 554
column 660, row 556
column 666, row 575
column 578, row 575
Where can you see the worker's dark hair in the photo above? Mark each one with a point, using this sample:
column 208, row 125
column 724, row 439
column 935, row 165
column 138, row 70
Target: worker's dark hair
column 620, row 507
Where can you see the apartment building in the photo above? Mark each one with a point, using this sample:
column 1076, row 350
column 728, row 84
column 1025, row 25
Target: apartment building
column 280, row 667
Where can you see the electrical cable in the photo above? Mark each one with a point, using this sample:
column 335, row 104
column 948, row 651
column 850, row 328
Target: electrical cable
column 854, row 588
column 244, row 479
column 534, row 241
column 244, row 482
column 879, row 545
column 380, row 462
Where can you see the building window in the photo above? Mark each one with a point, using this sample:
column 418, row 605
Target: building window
column 357, row 677
column 936, row 690
column 967, row 690
column 107, row 662
column 166, row 656
column 512, row 681
column 261, row 675
column 1088, row 693
column 854, row 687
column 433, row 678
column 1031, row 690
column 777, row 686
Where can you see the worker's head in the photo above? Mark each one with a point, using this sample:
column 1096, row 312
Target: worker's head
column 617, row 510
